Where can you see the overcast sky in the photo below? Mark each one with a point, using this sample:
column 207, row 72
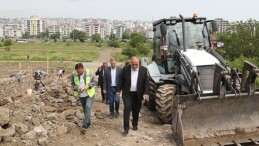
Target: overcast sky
column 131, row 9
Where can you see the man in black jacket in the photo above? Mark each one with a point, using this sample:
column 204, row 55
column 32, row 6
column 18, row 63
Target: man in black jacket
column 134, row 86
column 100, row 72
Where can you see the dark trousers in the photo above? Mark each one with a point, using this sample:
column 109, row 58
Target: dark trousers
column 113, row 100
column 131, row 103
column 103, row 94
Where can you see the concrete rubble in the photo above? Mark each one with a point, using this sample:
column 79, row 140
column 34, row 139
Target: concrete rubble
column 51, row 113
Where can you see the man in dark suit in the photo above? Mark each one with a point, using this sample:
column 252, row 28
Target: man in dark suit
column 134, row 86
column 110, row 83
column 100, row 73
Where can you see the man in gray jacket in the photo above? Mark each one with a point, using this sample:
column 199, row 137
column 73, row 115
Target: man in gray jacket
column 83, row 82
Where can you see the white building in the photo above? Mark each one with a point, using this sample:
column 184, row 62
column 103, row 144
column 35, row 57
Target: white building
column 65, row 30
column 119, row 31
column 1, row 32
column 222, row 25
column 93, row 28
column 35, row 25
column 149, row 34
column 12, row 31
column 54, row 29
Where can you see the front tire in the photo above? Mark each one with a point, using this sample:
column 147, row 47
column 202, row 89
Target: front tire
column 164, row 102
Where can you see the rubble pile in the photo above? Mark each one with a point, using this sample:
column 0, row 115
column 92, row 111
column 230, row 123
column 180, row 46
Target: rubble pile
column 33, row 119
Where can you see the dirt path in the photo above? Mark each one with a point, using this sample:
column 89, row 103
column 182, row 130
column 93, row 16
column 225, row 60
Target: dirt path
column 107, row 132
column 106, row 54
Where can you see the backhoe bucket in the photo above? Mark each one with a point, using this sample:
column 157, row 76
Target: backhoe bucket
column 194, row 121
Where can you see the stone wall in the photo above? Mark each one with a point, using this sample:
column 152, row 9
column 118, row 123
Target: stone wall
column 11, row 87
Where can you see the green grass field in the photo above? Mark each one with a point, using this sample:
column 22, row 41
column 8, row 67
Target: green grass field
column 59, row 51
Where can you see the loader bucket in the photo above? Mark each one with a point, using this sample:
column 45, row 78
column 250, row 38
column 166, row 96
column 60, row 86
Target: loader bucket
column 195, row 121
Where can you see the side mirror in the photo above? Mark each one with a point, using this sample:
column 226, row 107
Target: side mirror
column 144, row 61
column 220, row 44
column 214, row 26
column 163, row 29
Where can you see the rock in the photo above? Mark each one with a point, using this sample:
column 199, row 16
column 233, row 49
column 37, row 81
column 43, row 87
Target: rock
column 21, row 128
column 28, row 118
column 73, row 104
column 92, row 114
column 62, row 116
column 61, row 130
column 62, row 96
column 79, row 115
column 29, row 135
column 29, row 92
column 50, row 109
column 100, row 116
column 4, row 116
column 52, row 116
column 5, row 100
column 27, row 142
column 69, row 113
column 10, row 139
column 35, row 108
column 76, row 120
column 43, row 141
column 35, row 121
column 70, row 91
column 41, row 104
column 7, row 132
column 41, row 132
column 57, row 101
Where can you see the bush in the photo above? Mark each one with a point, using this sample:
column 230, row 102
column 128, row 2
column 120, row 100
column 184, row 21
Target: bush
column 120, row 57
column 99, row 45
column 114, row 43
column 136, row 38
column 130, row 52
column 7, row 42
column 68, row 44
column 1, row 45
column 7, row 49
column 142, row 49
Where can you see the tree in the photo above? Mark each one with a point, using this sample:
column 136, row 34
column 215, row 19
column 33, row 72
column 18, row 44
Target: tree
column 78, row 35
column 126, row 35
column 55, row 36
column 82, row 36
column 241, row 39
column 114, row 43
column 44, row 34
column 25, row 35
column 136, row 38
column 130, row 52
column 143, row 49
column 7, row 42
column 96, row 38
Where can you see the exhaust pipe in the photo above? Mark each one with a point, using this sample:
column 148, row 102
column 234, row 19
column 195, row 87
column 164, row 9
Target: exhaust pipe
column 183, row 25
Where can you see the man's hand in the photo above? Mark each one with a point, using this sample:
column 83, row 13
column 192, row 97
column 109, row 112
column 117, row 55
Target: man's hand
column 145, row 97
column 85, row 88
column 104, row 91
column 118, row 94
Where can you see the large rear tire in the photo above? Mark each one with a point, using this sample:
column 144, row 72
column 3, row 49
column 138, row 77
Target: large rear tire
column 164, row 102
column 152, row 96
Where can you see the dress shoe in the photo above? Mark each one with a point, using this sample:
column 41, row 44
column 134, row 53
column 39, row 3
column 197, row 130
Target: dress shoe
column 125, row 133
column 111, row 116
column 116, row 115
column 135, row 128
